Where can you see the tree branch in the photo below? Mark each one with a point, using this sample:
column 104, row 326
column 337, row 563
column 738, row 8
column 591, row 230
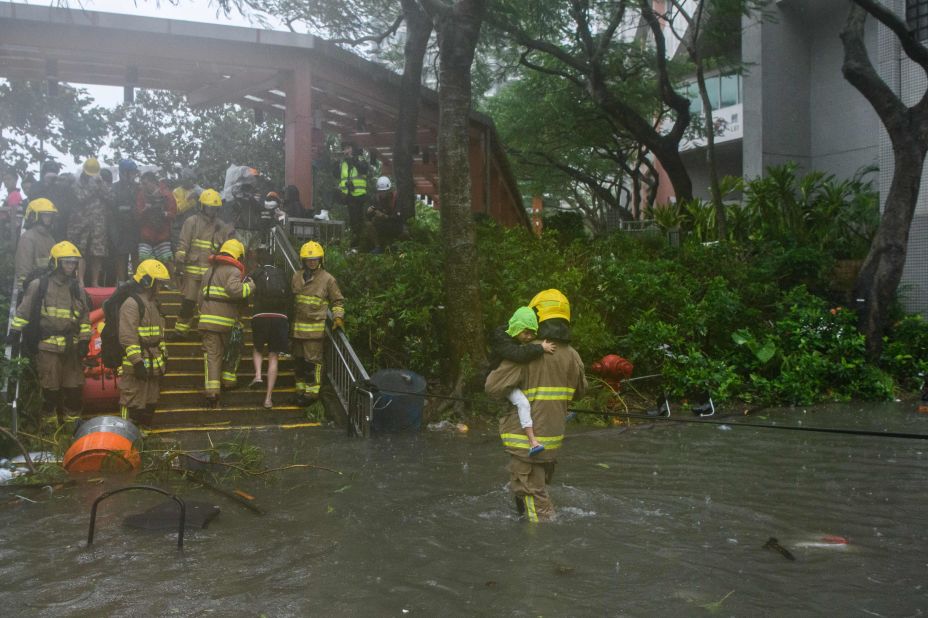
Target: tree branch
column 913, row 49
column 376, row 38
column 859, row 71
column 524, row 61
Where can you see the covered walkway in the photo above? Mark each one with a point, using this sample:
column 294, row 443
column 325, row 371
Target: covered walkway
column 315, row 87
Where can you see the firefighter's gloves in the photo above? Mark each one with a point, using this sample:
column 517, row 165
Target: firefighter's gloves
column 339, row 324
column 83, row 348
column 139, row 369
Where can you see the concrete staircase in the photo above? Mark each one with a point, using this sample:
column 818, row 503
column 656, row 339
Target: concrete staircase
column 182, row 403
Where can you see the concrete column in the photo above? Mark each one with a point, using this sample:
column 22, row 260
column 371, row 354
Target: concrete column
column 298, row 134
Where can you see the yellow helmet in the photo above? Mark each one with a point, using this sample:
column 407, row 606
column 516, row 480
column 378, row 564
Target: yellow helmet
column 92, row 167
column 233, row 247
column 64, row 249
column 40, row 204
column 551, row 304
column 150, row 271
column 311, row 251
column 211, row 197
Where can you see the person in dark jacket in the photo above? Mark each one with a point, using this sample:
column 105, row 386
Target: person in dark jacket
column 270, row 325
column 292, row 205
column 60, row 192
column 124, row 232
column 511, row 343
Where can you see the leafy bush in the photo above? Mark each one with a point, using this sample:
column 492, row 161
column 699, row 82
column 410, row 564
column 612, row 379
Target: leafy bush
column 905, row 351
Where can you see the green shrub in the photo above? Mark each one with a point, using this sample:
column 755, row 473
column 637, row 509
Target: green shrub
column 905, row 351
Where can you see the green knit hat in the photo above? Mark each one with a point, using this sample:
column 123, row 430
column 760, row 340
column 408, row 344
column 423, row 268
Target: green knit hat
column 523, row 318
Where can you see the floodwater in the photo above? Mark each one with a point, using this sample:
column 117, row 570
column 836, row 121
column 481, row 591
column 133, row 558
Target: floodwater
column 662, row 521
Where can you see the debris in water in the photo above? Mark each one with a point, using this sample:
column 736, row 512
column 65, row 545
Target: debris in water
column 563, row 569
column 242, row 494
column 724, row 427
column 716, row 606
column 774, row 545
column 342, row 488
column 828, row 541
column 490, row 584
column 602, row 465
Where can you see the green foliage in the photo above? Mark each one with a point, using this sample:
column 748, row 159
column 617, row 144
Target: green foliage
column 33, row 123
column 161, row 129
column 905, row 351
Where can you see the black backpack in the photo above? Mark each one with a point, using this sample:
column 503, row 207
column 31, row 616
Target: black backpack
column 32, row 333
column 272, row 290
column 111, row 351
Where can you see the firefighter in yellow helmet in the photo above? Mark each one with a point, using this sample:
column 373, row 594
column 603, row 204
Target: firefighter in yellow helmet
column 35, row 245
column 141, row 334
column 223, row 295
column 52, row 325
column 200, row 237
column 553, row 310
column 550, row 383
column 315, row 292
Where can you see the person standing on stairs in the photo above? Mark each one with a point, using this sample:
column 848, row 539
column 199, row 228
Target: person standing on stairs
column 269, row 323
column 200, row 237
column 141, row 334
column 52, row 324
column 315, row 291
column 222, row 297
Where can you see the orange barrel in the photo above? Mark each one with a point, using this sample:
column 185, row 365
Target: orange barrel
column 104, row 444
column 98, row 295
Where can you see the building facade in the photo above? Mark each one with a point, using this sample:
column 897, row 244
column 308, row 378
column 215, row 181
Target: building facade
column 793, row 104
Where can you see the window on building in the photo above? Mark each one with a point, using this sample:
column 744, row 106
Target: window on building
column 723, row 91
column 916, row 15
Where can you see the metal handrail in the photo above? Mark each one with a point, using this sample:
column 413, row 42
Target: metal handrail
column 8, row 353
column 343, row 368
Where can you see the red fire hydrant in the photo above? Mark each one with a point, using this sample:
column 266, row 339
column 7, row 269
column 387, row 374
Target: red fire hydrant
column 612, row 368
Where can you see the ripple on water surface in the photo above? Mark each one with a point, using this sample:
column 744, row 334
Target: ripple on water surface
column 668, row 520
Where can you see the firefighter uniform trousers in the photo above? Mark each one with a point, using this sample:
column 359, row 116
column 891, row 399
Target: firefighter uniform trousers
column 200, row 237
column 550, row 383
column 313, row 297
column 141, row 333
column 63, row 322
column 222, row 297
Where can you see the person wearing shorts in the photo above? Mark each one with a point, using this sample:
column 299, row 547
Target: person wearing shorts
column 155, row 210
column 270, row 327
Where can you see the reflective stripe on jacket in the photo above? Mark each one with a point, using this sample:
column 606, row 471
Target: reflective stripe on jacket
column 349, row 173
column 200, row 238
column 222, row 296
column 63, row 319
column 142, row 339
column 311, row 300
column 550, row 383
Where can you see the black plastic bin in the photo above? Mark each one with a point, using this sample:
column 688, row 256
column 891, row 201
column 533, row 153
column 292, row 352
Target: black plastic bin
column 398, row 402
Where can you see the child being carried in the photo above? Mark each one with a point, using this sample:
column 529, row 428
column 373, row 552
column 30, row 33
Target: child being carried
column 512, row 343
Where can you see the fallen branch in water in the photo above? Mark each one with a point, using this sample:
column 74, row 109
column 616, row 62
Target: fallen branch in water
column 196, row 478
column 22, row 448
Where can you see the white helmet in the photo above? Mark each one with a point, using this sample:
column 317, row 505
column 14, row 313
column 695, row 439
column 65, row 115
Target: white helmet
column 384, row 184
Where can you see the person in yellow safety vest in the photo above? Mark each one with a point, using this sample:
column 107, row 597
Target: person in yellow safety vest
column 35, row 245
column 223, row 295
column 52, row 319
column 141, row 334
column 352, row 183
column 315, row 291
column 200, row 237
column 550, row 383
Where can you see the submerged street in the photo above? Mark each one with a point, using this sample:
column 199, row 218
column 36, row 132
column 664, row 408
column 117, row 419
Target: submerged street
column 668, row 520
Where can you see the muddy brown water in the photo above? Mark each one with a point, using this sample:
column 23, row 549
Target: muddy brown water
column 665, row 521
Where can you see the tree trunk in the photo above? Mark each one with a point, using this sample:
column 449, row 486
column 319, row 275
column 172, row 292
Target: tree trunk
column 907, row 128
column 720, row 223
column 882, row 269
column 458, row 30
column 669, row 156
column 418, row 31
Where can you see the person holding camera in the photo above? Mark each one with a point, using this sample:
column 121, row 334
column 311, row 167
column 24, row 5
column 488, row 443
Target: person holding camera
column 155, row 208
